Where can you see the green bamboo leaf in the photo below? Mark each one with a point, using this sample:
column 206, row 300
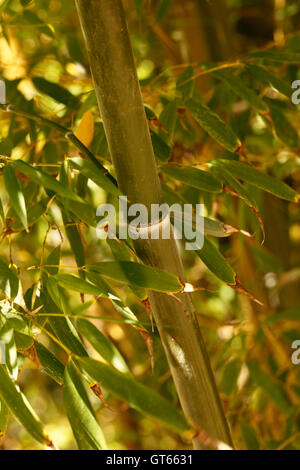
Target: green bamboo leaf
column 138, row 275
column 275, row 55
column 285, row 131
column 61, row 326
column 4, row 413
column 213, row 125
column 216, row 262
column 237, row 85
column 168, row 118
column 85, row 212
column 68, row 281
column 86, row 429
column 269, row 78
column 138, row 396
column 231, row 373
column 217, row 229
column 9, row 283
column 34, row 214
column 224, row 175
column 34, row 20
column 162, row 9
column 75, row 241
column 102, row 345
column 2, row 215
column 51, row 365
column 270, row 386
column 185, row 84
column 82, row 308
column 121, row 308
column 17, row 403
column 55, row 293
column 67, row 334
column 15, row 193
column 45, row 180
column 120, row 250
column 193, row 177
column 211, row 227
column 23, row 341
column 53, row 260
column 56, row 92
column 14, row 319
column 91, row 171
column 161, row 150
column 71, row 228
column 11, row 357
column 100, row 145
column 263, row 181
column 250, row 437
column 6, row 146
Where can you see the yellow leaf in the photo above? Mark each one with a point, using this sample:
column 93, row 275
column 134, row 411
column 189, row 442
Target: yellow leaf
column 85, row 131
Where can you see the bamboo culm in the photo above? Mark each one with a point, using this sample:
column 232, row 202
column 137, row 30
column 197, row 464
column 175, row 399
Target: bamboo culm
column 119, row 98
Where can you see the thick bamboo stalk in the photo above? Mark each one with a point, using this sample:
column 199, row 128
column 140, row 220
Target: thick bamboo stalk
column 119, row 98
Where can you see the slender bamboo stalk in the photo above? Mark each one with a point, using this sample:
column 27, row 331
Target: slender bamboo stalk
column 119, row 98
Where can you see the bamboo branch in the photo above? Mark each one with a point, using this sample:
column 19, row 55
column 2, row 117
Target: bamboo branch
column 119, row 98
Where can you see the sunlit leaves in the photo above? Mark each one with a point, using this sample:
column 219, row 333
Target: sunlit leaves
column 56, row 92
column 90, row 170
column 50, row 363
column 86, row 429
column 138, row 275
column 7, row 338
column 68, row 281
column 9, row 283
column 16, row 195
column 102, row 345
column 14, row 399
column 45, row 180
column 34, row 214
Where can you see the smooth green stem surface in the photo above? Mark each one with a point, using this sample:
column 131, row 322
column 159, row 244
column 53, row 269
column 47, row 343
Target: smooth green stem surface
column 119, row 98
